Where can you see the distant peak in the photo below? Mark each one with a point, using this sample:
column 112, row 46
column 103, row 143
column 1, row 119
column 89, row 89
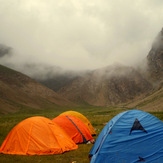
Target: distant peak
column 162, row 31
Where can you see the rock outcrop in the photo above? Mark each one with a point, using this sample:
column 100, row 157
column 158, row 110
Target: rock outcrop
column 155, row 60
column 107, row 86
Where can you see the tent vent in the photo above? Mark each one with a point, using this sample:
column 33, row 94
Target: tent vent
column 137, row 126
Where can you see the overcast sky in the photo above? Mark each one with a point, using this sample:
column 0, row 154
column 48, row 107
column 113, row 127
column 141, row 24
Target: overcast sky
column 78, row 34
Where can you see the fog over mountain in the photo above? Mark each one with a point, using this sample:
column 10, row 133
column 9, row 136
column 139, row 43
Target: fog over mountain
column 43, row 36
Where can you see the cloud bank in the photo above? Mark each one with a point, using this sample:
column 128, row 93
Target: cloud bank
column 78, row 35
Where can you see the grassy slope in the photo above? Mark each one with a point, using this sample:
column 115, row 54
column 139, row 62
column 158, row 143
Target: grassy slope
column 18, row 91
column 153, row 102
column 98, row 116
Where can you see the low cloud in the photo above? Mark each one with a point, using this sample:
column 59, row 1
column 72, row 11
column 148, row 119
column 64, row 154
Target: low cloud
column 5, row 51
column 78, row 35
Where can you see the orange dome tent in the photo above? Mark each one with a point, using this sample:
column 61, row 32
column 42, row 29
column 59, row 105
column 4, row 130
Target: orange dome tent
column 82, row 118
column 37, row 136
column 74, row 127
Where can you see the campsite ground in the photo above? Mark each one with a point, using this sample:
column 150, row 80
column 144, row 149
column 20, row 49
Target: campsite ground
column 98, row 116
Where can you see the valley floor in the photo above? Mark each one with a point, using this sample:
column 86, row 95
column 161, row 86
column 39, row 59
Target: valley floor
column 98, row 116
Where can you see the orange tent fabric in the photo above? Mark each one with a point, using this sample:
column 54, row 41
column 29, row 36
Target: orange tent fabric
column 82, row 118
column 37, row 136
column 74, row 127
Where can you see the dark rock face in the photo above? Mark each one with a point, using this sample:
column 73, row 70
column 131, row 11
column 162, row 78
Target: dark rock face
column 155, row 60
column 107, row 86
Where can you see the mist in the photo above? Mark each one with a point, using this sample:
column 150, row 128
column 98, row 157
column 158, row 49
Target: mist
column 52, row 36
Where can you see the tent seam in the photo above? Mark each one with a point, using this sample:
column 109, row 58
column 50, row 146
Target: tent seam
column 84, row 139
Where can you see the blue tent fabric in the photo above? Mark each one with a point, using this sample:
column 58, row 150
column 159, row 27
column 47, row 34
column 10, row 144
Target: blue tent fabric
column 117, row 144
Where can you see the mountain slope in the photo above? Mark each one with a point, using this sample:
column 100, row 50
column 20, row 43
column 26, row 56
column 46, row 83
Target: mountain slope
column 155, row 60
column 154, row 74
column 107, row 86
column 120, row 84
column 18, row 90
column 153, row 102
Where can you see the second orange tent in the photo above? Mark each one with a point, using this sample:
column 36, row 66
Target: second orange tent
column 74, row 127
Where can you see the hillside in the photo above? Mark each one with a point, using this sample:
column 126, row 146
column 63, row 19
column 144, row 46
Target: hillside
column 153, row 102
column 154, row 75
column 107, row 86
column 18, row 91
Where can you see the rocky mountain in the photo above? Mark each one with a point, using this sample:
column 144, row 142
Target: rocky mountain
column 107, row 86
column 155, row 60
column 120, row 84
column 20, row 91
column 57, row 81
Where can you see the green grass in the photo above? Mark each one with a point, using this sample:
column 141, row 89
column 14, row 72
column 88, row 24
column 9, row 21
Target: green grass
column 98, row 116
column 79, row 155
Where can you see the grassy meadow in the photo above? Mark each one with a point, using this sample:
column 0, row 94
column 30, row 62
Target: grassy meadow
column 98, row 116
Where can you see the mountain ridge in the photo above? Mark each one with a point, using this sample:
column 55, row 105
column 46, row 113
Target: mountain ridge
column 106, row 86
column 18, row 89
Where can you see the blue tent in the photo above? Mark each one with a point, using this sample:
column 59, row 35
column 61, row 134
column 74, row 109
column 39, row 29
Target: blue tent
column 130, row 137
